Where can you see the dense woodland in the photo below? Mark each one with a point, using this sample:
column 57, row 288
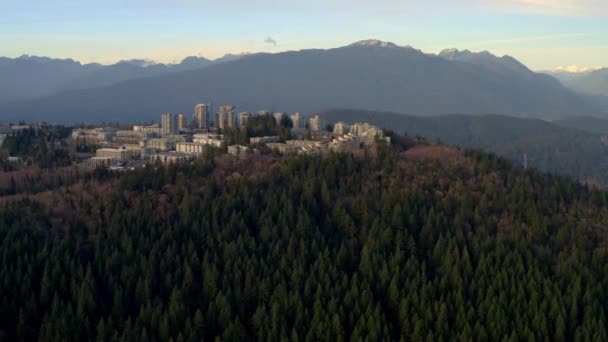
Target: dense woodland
column 429, row 244
column 45, row 146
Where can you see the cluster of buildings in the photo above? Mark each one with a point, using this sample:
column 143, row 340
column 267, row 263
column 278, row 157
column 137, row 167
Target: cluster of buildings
column 179, row 138
column 344, row 138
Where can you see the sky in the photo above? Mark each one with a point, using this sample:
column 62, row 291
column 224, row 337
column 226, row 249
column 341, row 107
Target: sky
column 543, row 34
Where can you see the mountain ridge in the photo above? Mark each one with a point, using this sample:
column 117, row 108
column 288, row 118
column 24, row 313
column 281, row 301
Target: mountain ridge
column 369, row 74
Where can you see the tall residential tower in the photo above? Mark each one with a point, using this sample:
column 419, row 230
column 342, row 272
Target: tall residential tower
column 201, row 116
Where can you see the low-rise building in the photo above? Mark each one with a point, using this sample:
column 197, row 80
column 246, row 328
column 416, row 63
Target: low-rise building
column 282, row 148
column 171, row 157
column 190, row 147
column 93, row 135
column 216, row 140
column 159, row 144
column 238, row 151
column 121, row 154
column 100, row 161
column 264, row 140
column 154, row 129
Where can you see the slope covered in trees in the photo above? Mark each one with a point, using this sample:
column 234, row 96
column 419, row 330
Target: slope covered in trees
column 560, row 147
column 426, row 244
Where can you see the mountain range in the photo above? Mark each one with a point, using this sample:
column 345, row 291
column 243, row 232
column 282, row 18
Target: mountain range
column 591, row 82
column 369, row 74
column 31, row 77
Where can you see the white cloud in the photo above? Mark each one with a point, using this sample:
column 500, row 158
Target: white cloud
column 575, row 69
column 552, row 7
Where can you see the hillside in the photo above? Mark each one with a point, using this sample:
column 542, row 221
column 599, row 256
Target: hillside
column 549, row 147
column 367, row 75
column 598, row 125
column 426, row 244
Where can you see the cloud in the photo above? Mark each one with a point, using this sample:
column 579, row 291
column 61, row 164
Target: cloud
column 553, row 7
column 269, row 40
column 530, row 39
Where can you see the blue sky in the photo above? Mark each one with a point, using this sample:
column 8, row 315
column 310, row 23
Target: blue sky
column 543, row 34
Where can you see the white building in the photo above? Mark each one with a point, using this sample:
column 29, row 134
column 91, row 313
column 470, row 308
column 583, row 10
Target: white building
column 225, row 117
column 171, row 157
column 151, row 129
column 212, row 139
column 168, row 124
column 244, row 119
column 121, row 154
column 296, row 119
column 190, row 147
column 314, row 123
column 341, row 128
column 94, row 135
column 201, row 116
column 238, row 151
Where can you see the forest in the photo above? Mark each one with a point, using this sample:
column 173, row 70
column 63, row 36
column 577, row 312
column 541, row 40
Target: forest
column 431, row 243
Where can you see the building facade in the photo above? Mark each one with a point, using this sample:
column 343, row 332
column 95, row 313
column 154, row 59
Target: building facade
column 182, row 122
column 296, row 119
column 314, row 123
column 243, row 119
column 225, row 117
column 190, row 147
column 341, row 128
column 201, row 116
column 168, row 124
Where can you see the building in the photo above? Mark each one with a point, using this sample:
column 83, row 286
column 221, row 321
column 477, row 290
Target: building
column 216, row 140
column 158, row 144
column 190, row 148
column 154, row 129
column 367, row 133
column 182, row 122
column 341, row 128
column 282, row 148
column 277, row 117
column 264, row 140
column 201, row 116
column 296, row 119
column 100, row 162
column 130, row 137
column 314, row 123
column 244, row 119
column 94, row 135
column 121, row 154
column 168, row 124
column 225, row 117
column 238, row 151
column 171, row 157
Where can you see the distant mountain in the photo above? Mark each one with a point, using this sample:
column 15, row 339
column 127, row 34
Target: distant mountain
column 485, row 59
column 127, row 70
column 586, row 81
column 593, row 83
column 367, row 75
column 565, row 148
column 591, row 124
column 30, row 77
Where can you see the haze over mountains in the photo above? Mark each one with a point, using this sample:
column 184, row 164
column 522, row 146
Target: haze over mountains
column 366, row 75
column 591, row 82
column 30, row 77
